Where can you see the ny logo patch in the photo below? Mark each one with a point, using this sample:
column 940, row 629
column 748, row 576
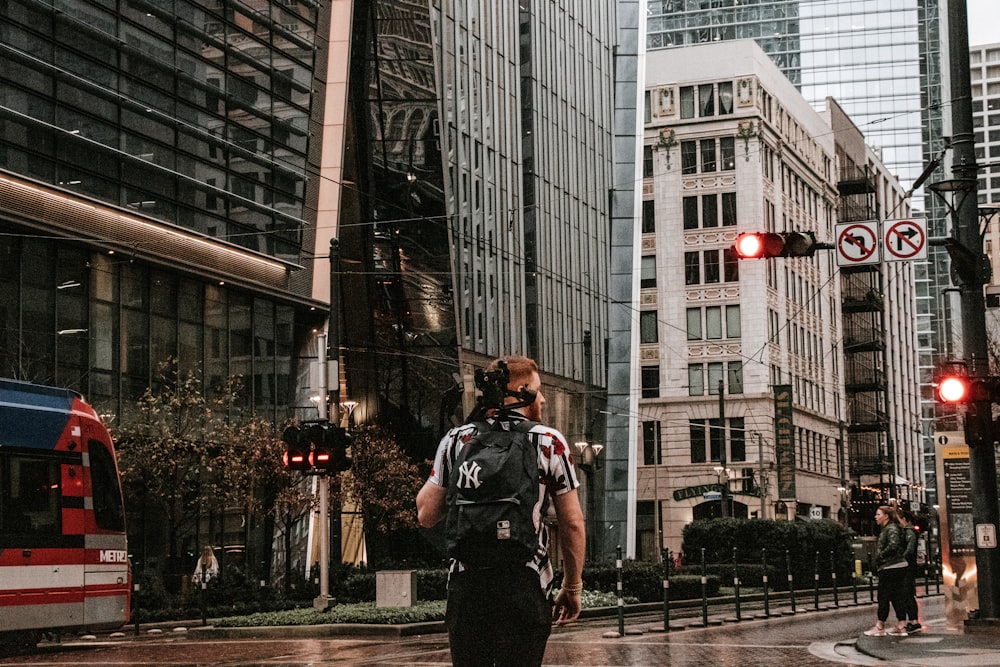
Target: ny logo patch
column 468, row 475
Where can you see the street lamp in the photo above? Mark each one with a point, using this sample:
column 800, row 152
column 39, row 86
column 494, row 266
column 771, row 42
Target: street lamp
column 348, row 408
column 589, row 463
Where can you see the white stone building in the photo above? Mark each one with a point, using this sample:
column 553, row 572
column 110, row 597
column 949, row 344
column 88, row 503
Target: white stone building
column 731, row 146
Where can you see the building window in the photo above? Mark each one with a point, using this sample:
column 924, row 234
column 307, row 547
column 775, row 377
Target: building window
column 731, row 265
column 707, row 154
column 689, row 157
column 737, row 440
column 727, row 153
column 687, row 101
column 647, row 272
column 712, row 273
column 692, row 268
column 648, row 216
column 731, row 372
column 716, row 439
column 734, row 370
column 725, row 97
column 647, row 161
column 696, row 429
column 651, row 454
column 712, row 434
column 733, row 327
column 710, row 211
column 690, row 212
column 713, row 322
column 728, row 209
column 650, row 381
column 648, row 327
column 706, row 99
column 696, row 380
column 694, row 323
column 714, row 377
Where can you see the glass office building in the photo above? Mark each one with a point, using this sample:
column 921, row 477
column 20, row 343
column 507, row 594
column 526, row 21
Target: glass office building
column 156, row 203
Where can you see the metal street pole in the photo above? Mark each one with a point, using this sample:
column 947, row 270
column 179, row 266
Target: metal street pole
column 322, row 601
column 722, row 449
column 762, row 481
column 973, row 274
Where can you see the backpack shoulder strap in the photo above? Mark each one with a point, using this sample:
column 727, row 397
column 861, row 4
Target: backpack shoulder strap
column 525, row 425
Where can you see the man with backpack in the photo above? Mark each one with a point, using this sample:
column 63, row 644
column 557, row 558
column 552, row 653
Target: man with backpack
column 492, row 481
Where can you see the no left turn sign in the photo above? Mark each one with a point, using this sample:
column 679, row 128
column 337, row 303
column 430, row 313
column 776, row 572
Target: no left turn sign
column 857, row 243
column 905, row 239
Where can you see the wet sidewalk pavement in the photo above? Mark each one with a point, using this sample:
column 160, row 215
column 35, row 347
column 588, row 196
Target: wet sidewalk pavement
column 936, row 644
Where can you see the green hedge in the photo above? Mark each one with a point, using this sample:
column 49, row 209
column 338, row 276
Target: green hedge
column 644, row 581
column 807, row 542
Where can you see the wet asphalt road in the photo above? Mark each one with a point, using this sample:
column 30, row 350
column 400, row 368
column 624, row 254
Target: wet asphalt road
column 805, row 639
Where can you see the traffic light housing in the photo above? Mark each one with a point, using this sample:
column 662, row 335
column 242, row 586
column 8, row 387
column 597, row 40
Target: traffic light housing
column 958, row 389
column 761, row 245
column 336, row 443
column 297, row 449
column 316, row 447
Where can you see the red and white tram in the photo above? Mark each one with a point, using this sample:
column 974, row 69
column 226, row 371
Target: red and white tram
column 63, row 556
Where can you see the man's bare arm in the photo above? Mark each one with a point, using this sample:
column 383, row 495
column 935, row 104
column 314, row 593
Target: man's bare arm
column 573, row 542
column 431, row 504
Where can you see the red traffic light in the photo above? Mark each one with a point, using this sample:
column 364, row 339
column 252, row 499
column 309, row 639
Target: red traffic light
column 953, row 389
column 297, row 449
column 760, row 245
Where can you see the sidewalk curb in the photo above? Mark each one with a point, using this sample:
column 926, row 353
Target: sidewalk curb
column 322, row 630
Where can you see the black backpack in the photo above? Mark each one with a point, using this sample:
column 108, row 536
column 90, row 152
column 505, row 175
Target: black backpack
column 492, row 492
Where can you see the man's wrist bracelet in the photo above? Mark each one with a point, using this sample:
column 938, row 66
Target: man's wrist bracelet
column 573, row 588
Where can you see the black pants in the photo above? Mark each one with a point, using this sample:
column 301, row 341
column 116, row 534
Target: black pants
column 497, row 618
column 910, row 592
column 890, row 589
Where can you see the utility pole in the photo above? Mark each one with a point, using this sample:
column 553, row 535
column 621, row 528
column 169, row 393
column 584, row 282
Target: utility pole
column 724, row 475
column 971, row 268
column 761, row 479
column 329, row 410
column 322, row 601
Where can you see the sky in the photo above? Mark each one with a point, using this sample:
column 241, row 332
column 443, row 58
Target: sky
column 984, row 22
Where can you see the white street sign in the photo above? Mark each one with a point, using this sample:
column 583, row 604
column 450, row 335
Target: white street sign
column 857, row 243
column 905, row 239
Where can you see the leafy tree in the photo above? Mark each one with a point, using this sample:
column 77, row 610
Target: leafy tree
column 383, row 483
column 184, row 451
column 164, row 453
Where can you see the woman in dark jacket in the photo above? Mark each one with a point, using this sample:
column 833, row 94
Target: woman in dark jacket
column 891, row 565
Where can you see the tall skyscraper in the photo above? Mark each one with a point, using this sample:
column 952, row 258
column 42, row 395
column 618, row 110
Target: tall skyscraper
column 474, row 217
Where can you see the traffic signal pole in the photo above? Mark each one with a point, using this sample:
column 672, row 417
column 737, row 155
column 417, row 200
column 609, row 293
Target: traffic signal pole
column 979, row 419
column 322, row 601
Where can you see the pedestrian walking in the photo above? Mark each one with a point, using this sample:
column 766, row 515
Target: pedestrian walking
column 891, row 565
column 910, row 579
column 499, row 613
column 206, row 568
